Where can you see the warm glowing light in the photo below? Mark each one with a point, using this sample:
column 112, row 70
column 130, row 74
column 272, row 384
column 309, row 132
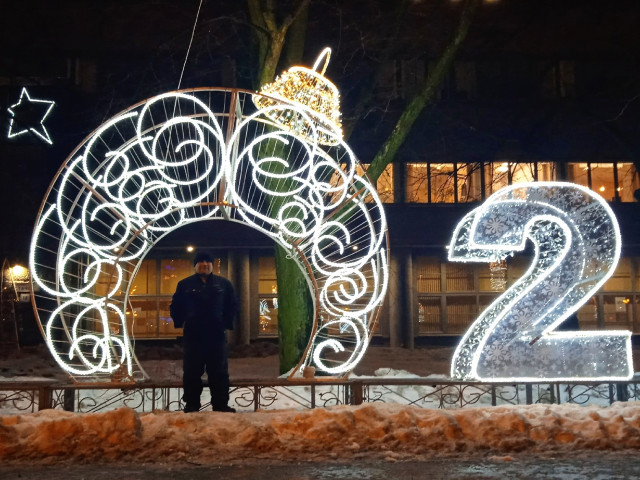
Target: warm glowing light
column 18, row 271
column 24, row 119
column 190, row 248
column 504, row 167
column 311, row 90
column 577, row 246
column 167, row 162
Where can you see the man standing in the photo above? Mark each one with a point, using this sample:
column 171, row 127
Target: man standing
column 206, row 306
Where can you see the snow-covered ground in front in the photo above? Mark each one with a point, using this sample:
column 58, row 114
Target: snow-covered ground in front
column 390, row 431
column 285, row 431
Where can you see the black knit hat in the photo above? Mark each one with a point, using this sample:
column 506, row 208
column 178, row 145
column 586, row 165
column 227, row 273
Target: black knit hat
column 202, row 257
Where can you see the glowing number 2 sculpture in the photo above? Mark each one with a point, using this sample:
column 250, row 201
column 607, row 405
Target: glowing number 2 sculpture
column 197, row 155
column 577, row 246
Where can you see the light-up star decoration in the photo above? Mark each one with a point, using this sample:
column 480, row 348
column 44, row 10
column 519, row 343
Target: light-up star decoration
column 28, row 116
column 197, row 155
column 576, row 239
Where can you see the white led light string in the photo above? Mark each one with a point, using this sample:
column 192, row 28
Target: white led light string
column 577, row 246
column 147, row 171
column 40, row 131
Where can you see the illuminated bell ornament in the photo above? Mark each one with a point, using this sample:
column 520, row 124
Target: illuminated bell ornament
column 311, row 90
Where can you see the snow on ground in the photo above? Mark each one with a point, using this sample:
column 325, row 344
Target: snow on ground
column 384, row 431
column 376, row 430
column 257, row 361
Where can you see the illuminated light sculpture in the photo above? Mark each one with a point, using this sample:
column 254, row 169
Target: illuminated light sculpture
column 310, row 90
column 576, row 240
column 196, row 155
column 28, row 115
column 498, row 275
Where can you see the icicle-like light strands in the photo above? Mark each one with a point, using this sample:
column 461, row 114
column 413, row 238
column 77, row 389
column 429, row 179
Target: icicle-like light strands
column 577, row 245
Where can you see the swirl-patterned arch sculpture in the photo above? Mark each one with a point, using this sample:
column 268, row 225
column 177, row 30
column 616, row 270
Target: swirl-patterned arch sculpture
column 196, row 155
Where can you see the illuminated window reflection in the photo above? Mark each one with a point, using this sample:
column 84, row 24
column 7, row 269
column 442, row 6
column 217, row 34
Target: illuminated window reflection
column 429, row 315
column 267, row 296
column 469, row 182
column 416, row 176
column 144, row 282
column 172, row 271
column 463, row 182
column 621, row 278
column 500, row 174
column 442, row 183
column 628, row 182
column 613, row 184
column 384, row 185
column 618, row 312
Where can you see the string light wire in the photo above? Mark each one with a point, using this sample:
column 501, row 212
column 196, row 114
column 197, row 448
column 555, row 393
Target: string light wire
column 193, row 32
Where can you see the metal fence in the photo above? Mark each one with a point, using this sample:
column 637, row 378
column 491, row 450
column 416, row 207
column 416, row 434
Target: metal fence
column 280, row 394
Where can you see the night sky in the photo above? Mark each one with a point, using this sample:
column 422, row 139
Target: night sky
column 96, row 58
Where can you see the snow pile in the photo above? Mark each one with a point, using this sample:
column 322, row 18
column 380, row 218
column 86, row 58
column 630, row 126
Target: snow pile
column 390, row 431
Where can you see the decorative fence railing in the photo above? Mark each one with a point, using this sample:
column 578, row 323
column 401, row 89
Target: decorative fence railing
column 251, row 395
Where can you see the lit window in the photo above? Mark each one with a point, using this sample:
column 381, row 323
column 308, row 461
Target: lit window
column 144, row 282
column 628, row 182
column 417, row 190
column 268, row 296
column 460, row 277
column 621, row 278
column 442, row 183
column 172, row 271
column 500, row 174
column 547, row 171
column 384, row 185
column 602, row 180
column 618, row 312
column 598, row 177
column 469, row 184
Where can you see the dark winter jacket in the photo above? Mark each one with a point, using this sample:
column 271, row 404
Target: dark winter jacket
column 204, row 309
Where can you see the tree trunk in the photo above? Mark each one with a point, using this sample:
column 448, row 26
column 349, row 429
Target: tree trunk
column 295, row 305
column 295, row 310
column 272, row 58
column 270, row 37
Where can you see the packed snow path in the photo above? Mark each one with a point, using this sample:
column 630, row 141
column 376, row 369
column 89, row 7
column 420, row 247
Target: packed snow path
column 384, row 431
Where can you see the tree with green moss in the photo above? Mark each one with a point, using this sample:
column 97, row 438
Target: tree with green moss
column 276, row 32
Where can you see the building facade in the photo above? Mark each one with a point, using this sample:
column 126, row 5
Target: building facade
column 428, row 296
column 537, row 93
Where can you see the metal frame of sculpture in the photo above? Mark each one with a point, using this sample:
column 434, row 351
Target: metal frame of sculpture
column 196, row 155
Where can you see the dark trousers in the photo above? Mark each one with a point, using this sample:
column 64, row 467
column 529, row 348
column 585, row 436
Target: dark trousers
column 212, row 359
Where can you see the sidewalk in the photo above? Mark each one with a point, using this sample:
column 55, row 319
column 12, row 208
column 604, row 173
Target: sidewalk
column 602, row 466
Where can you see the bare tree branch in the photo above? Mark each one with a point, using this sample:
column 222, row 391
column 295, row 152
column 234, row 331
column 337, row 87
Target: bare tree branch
column 429, row 89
